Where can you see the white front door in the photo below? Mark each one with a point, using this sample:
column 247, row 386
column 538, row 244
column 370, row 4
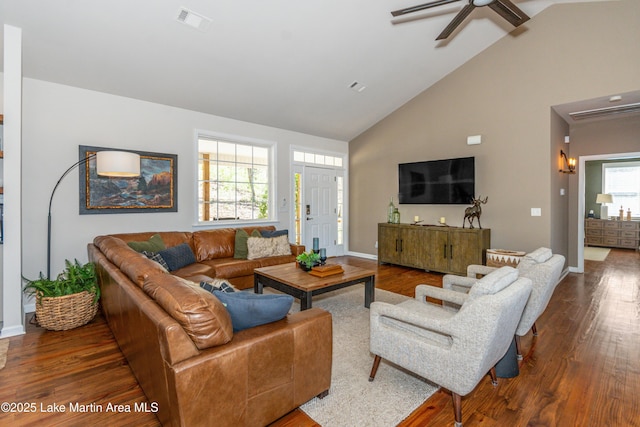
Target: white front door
column 319, row 208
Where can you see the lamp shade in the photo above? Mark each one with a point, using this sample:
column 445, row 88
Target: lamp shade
column 117, row 163
column 604, row 198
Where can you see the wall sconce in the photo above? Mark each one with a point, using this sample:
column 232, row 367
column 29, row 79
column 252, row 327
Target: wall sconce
column 570, row 163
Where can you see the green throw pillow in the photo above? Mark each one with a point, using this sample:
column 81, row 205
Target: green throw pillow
column 240, row 250
column 154, row 244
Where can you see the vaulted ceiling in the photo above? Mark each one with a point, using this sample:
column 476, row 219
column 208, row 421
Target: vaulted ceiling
column 284, row 63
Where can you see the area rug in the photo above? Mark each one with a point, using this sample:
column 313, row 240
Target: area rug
column 596, row 254
column 352, row 399
column 4, row 347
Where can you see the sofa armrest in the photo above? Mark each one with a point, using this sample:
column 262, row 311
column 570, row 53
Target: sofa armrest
column 442, row 294
column 474, row 270
column 297, row 249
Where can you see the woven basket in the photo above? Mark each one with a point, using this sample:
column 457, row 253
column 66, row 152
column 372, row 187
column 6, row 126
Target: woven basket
column 503, row 257
column 67, row 312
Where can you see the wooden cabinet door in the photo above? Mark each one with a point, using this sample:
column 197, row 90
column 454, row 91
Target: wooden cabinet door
column 465, row 247
column 414, row 247
column 440, row 251
column 388, row 244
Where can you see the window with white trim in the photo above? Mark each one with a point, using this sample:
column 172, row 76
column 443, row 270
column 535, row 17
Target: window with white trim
column 234, row 180
column 316, row 159
column 622, row 181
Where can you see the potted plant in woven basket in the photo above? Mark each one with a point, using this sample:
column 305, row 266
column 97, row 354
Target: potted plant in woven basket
column 68, row 301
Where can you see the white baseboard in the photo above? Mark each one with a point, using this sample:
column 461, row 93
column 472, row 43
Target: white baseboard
column 12, row 331
column 30, row 307
column 362, row 255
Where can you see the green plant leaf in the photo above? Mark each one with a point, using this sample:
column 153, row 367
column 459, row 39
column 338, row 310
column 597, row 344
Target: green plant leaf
column 75, row 278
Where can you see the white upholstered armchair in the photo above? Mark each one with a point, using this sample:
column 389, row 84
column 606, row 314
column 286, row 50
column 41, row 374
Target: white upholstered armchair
column 452, row 348
column 544, row 270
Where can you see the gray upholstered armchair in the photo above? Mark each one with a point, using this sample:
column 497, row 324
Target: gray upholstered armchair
column 544, row 270
column 452, row 348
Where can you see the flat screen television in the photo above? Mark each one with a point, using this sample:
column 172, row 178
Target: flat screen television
column 437, row 182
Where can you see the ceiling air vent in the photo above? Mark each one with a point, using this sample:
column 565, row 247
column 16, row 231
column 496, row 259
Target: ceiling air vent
column 192, row 19
column 607, row 111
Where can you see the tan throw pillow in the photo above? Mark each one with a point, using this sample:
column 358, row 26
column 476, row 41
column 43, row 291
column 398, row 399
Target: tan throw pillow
column 240, row 249
column 262, row 247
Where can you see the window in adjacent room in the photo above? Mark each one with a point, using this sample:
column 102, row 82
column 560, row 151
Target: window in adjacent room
column 234, row 179
column 622, row 181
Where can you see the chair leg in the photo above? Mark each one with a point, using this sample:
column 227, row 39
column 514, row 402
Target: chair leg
column 534, row 329
column 457, row 409
column 518, row 348
column 494, row 377
column 374, row 368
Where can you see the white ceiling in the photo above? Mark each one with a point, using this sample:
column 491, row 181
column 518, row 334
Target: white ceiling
column 281, row 63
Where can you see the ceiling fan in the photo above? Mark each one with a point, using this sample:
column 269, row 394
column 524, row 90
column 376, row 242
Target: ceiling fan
column 504, row 8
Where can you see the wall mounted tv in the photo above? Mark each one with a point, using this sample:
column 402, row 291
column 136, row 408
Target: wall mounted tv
column 437, row 182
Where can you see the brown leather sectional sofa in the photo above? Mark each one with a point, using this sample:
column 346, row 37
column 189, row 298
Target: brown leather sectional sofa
column 214, row 251
column 179, row 341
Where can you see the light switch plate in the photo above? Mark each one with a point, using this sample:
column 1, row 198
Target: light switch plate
column 536, row 211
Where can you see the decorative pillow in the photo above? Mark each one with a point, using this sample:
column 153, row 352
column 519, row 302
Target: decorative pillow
column 262, row 247
column 539, row 255
column 154, row 244
column 155, row 256
column 274, row 233
column 248, row 309
column 217, row 285
column 202, row 316
column 240, row 250
column 494, row 282
column 178, row 256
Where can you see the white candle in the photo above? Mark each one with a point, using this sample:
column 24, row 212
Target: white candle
column 442, row 220
column 416, row 218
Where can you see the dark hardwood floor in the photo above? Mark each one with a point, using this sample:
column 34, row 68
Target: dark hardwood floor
column 582, row 370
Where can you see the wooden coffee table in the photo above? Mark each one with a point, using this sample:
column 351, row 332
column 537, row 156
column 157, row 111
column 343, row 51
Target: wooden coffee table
column 290, row 279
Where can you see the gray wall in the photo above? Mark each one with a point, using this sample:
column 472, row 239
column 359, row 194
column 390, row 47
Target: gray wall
column 58, row 118
column 567, row 53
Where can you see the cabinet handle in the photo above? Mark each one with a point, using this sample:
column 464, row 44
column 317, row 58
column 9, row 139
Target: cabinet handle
column 401, row 245
column 396, row 245
column 445, row 251
column 451, row 251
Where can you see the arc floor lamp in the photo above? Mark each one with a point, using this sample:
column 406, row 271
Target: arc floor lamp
column 121, row 164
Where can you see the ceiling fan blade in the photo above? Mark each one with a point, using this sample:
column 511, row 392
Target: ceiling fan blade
column 421, row 7
column 509, row 11
column 457, row 20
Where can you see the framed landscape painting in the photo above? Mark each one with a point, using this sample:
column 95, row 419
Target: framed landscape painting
column 155, row 190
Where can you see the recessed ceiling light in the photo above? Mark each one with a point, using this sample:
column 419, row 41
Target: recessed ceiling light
column 192, row 19
column 615, row 98
column 358, row 87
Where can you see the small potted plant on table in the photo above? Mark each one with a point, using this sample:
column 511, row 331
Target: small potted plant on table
column 308, row 260
column 68, row 301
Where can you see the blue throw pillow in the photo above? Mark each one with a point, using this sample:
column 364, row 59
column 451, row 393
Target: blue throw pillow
column 178, row 256
column 274, row 233
column 248, row 309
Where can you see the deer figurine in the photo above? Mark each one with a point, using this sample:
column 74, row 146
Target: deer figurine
column 474, row 211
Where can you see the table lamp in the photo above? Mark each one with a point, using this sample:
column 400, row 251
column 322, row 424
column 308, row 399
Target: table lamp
column 603, row 199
